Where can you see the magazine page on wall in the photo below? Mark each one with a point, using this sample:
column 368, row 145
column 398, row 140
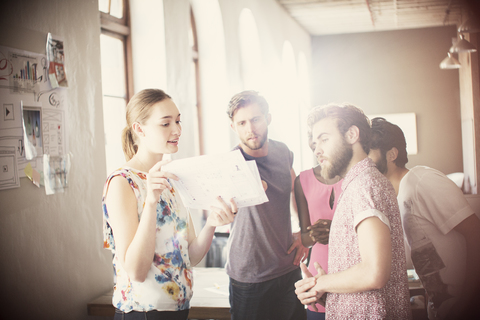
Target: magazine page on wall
column 56, row 61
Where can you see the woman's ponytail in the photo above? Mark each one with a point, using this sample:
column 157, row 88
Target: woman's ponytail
column 128, row 144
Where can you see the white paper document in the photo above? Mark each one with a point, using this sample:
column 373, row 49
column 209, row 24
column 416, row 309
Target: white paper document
column 228, row 175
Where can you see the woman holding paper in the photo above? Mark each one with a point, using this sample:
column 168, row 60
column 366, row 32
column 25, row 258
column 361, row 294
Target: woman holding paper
column 146, row 226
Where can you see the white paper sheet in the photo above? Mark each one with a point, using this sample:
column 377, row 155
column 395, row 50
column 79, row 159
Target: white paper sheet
column 228, row 175
column 24, row 81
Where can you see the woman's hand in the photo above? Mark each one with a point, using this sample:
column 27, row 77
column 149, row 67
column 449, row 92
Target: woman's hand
column 320, row 231
column 157, row 181
column 222, row 213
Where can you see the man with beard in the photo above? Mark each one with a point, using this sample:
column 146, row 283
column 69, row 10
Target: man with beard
column 442, row 230
column 316, row 199
column 367, row 274
column 264, row 255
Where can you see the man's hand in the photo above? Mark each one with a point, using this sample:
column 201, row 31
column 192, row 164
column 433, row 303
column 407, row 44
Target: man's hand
column 304, row 285
column 307, row 290
column 320, row 231
column 302, row 252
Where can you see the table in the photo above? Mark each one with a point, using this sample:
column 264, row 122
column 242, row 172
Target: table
column 210, row 297
column 210, row 294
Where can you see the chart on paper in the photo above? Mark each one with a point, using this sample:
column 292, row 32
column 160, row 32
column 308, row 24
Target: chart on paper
column 228, row 175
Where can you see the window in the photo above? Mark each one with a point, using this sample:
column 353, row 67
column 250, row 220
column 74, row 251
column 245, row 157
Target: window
column 250, row 52
column 195, row 84
column 114, row 8
column 308, row 159
column 116, row 70
column 213, row 75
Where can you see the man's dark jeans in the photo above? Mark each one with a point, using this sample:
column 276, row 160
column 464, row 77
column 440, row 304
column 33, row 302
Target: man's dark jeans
column 270, row 300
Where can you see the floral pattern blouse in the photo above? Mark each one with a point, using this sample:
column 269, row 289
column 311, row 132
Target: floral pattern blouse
column 168, row 286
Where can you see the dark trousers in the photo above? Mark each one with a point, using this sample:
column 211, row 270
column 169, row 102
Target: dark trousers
column 151, row 315
column 270, row 300
column 312, row 315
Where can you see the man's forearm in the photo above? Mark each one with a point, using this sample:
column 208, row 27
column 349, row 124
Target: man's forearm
column 358, row 278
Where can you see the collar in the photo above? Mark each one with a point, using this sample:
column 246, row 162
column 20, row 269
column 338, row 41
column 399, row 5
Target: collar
column 356, row 170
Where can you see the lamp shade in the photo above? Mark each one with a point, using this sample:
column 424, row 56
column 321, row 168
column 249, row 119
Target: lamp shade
column 469, row 26
column 450, row 63
column 463, row 46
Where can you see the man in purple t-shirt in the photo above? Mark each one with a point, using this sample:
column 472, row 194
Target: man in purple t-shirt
column 263, row 254
column 366, row 259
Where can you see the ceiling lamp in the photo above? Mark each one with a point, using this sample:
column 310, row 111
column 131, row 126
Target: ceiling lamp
column 450, row 63
column 462, row 46
column 469, row 26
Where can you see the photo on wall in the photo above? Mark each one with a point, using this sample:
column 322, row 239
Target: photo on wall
column 32, row 132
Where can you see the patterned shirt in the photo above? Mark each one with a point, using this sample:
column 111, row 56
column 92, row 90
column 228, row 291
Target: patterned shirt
column 367, row 193
column 168, row 286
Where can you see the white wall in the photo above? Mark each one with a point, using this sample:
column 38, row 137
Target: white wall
column 52, row 260
column 397, row 72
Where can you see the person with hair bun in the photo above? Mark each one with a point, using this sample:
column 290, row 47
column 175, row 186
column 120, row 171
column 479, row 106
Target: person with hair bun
column 441, row 228
column 146, row 226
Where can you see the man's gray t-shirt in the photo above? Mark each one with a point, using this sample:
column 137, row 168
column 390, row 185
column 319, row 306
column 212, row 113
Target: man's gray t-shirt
column 261, row 235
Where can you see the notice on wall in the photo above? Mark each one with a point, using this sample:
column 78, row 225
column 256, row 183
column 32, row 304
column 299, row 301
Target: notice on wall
column 56, row 170
column 57, row 72
column 32, row 120
column 9, row 177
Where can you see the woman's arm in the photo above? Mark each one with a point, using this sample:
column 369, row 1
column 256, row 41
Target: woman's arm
column 219, row 216
column 135, row 240
column 303, row 214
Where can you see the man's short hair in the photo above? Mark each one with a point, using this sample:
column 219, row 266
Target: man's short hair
column 385, row 136
column 345, row 116
column 246, row 98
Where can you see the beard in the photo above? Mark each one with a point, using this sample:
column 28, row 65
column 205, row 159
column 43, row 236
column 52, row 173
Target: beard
column 258, row 144
column 382, row 164
column 338, row 162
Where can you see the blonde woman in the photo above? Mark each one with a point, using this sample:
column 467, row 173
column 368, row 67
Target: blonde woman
column 146, row 226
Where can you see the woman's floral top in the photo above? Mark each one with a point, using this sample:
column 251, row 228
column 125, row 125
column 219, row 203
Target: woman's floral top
column 168, row 286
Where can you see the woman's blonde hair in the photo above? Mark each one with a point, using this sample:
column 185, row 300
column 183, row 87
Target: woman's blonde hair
column 139, row 110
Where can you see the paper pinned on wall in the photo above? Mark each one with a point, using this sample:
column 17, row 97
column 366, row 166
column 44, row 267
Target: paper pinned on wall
column 32, row 174
column 32, row 131
column 56, row 171
column 24, row 84
column 203, row 178
column 9, row 177
column 56, row 62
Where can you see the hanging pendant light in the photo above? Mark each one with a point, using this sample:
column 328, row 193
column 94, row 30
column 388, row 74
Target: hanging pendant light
column 462, row 46
column 450, row 63
column 469, row 26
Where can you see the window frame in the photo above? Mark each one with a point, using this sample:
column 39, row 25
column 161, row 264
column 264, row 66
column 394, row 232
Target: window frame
column 198, row 99
column 120, row 29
